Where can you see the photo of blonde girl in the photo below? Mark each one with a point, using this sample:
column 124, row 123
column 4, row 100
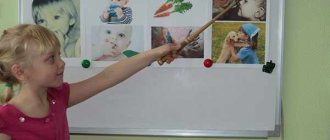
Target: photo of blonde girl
column 61, row 17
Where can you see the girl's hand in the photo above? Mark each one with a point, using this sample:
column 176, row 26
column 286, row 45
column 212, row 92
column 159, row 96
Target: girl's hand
column 169, row 52
column 63, row 39
column 105, row 14
column 231, row 48
column 234, row 57
column 119, row 12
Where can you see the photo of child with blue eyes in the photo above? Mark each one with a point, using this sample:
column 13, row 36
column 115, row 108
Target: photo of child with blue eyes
column 61, row 17
column 114, row 43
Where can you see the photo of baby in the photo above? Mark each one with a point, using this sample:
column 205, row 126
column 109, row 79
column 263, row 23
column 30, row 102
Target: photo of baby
column 117, row 12
column 112, row 43
column 61, row 17
column 163, row 35
column 243, row 10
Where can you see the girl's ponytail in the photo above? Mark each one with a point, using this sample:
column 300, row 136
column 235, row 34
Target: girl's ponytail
column 8, row 93
column 254, row 42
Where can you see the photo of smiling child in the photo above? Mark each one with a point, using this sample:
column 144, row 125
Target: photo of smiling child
column 117, row 12
column 61, row 17
column 243, row 10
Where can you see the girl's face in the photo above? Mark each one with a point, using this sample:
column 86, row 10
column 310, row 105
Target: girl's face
column 55, row 19
column 46, row 70
column 119, row 2
column 242, row 35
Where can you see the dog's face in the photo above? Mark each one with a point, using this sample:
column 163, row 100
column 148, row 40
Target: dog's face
column 232, row 36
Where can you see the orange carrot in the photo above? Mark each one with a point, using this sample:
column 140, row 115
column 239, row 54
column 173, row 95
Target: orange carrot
column 164, row 7
column 164, row 14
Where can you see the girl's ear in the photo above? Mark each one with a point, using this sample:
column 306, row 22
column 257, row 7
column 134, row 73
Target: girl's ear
column 18, row 72
column 72, row 21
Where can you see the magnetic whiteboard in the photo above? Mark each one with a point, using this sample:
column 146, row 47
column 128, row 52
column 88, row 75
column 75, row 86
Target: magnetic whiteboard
column 232, row 100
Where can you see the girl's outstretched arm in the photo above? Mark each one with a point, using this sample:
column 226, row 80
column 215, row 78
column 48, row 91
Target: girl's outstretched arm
column 117, row 73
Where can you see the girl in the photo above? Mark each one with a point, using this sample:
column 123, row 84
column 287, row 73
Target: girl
column 61, row 17
column 247, row 55
column 30, row 57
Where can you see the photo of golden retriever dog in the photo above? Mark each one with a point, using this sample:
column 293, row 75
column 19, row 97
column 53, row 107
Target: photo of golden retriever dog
column 230, row 40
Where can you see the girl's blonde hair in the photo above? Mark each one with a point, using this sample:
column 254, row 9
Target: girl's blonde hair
column 16, row 45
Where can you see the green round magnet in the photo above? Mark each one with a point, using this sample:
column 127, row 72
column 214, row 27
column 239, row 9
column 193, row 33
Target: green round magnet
column 10, row 85
column 85, row 63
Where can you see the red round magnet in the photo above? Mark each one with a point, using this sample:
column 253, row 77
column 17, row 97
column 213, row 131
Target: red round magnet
column 208, row 63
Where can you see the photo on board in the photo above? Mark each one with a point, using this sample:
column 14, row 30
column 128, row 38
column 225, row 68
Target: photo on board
column 177, row 12
column 61, row 17
column 105, row 12
column 163, row 35
column 116, row 42
column 117, row 12
column 243, row 10
column 172, row 6
column 238, row 43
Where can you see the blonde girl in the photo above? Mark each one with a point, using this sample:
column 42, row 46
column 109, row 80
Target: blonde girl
column 30, row 58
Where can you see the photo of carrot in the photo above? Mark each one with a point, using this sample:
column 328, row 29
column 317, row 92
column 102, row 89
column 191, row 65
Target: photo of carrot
column 164, row 14
column 164, row 7
column 167, row 8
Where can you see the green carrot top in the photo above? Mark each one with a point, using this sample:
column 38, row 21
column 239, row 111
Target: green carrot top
column 182, row 7
column 174, row 1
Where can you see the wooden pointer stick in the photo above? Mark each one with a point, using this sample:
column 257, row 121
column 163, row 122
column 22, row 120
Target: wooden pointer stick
column 196, row 33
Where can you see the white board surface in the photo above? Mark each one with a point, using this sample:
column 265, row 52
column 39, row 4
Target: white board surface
column 224, row 100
